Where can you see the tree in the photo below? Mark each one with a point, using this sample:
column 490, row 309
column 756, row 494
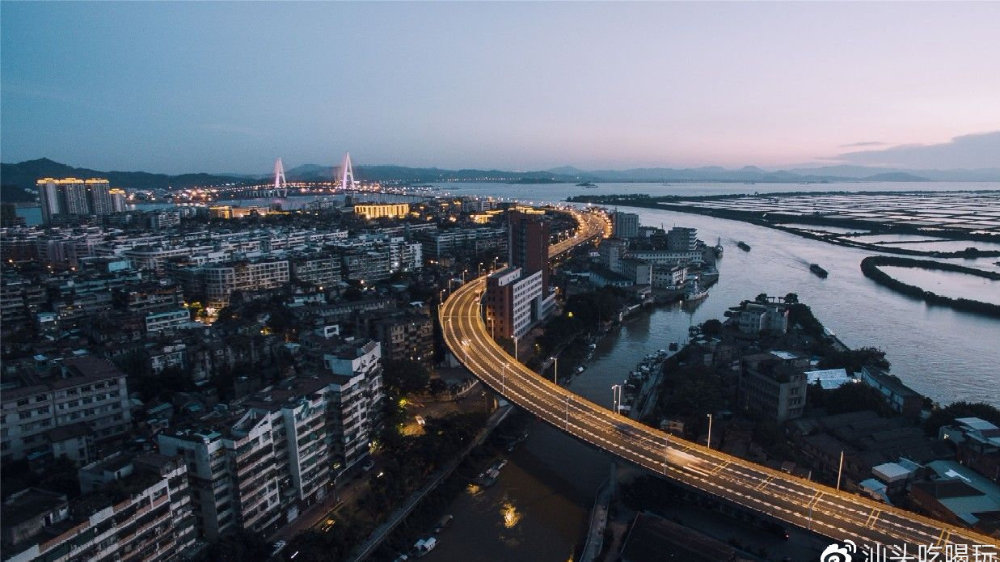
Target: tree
column 406, row 376
column 947, row 415
column 711, row 327
column 238, row 546
column 792, row 298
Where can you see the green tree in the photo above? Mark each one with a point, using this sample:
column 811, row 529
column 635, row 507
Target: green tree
column 947, row 415
column 237, row 547
column 406, row 376
column 711, row 327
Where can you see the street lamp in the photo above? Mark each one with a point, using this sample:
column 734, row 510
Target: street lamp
column 515, row 348
column 616, row 397
column 555, row 371
column 840, row 469
column 709, row 442
column 493, row 330
column 504, row 379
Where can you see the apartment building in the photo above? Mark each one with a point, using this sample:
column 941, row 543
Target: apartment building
column 88, row 390
column 368, row 266
column 463, row 240
column 133, row 508
column 625, row 225
column 62, row 198
column 773, row 385
column 222, row 280
column 297, row 409
column 376, row 211
column 354, row 399
column 514, row 302
column 167, row 320
column 321, row 270
column 405, row 336
column 231, row 470
column 754, row 317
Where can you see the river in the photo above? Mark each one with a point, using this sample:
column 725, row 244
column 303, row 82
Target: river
column 550, row 481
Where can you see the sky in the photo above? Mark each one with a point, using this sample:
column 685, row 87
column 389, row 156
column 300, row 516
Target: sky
column 221, row 87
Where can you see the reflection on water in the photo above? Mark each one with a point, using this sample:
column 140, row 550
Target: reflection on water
column 510, row 515
column 951, row 284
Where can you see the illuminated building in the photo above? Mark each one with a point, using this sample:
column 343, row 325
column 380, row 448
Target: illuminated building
column 377, row 211
column 74, row 197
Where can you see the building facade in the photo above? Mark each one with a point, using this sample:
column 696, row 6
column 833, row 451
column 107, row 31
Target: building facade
column 88, row 390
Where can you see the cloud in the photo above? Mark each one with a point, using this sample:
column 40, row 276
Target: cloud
column 860, row 144
column 981, row 150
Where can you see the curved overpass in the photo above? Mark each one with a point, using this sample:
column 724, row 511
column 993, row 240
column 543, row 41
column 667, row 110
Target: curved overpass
column 800, row 502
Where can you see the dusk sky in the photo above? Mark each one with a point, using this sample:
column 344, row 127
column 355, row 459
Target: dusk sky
column 228, row 87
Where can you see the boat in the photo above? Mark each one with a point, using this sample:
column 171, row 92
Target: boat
column 695, row 296
column 694, row 292
column 819, row 271
column 743, row 246
column 587, row 184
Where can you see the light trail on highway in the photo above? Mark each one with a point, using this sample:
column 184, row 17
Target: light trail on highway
column 824, row 510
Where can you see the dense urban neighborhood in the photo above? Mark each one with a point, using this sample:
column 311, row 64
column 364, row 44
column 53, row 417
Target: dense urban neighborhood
column 220, row 381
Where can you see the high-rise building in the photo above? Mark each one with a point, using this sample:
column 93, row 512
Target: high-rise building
column 74, row 197
column 682, row 239
column 529, row 245
column 626, row 225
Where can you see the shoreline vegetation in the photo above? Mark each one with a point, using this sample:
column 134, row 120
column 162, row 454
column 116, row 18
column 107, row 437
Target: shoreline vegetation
column 778, row 220
column 870, row 268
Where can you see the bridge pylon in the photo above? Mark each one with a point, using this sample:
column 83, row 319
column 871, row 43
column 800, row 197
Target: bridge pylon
column 280, row 185
column 346, row 173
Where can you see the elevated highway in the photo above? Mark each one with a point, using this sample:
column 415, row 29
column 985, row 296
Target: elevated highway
column 803, row 503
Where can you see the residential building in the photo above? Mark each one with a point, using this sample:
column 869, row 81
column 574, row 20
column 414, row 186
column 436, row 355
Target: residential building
column 146, row 515
column 959, row 496
column 89, row 390
column 380, row 210
column 529, row 245
column 773, row 385
column 60, row 198
column 232, row 470
column 367, row 266
column 456, row 241
column 612, row 252
column 298, row 412
column 682, row 239
column 977, row 445
column 625, row 225
column 321, row 270
column 755, row 317
column 222, row 280
column 514, row 302
column 354, row 399
column 167, row 320
column 900, row 397
column 405, row 336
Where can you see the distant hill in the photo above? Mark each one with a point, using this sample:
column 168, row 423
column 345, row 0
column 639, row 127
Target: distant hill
column 24, row 175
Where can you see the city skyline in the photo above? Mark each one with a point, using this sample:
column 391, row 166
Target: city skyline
column 226, row 88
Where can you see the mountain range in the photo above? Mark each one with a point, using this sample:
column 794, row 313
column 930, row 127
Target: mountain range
column 18, row 179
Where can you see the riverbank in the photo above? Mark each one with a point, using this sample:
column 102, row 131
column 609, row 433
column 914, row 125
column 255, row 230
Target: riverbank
column 778, row 210
column 870, row 267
